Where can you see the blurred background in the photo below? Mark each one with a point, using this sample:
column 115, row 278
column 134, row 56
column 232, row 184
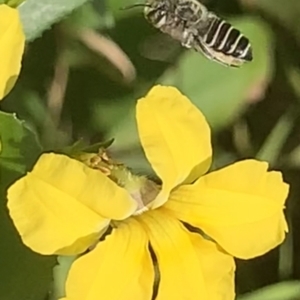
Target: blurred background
column 81, row 80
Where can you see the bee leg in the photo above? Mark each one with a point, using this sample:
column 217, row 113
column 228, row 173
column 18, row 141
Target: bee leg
column 188, row 39
column 200, row 47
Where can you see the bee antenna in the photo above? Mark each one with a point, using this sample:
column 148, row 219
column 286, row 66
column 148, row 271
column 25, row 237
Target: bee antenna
column 135, row 5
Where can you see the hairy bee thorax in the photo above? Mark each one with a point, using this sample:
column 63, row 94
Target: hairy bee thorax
column 191, row 12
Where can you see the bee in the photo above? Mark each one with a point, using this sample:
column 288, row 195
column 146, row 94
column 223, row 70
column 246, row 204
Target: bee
column 190, row 23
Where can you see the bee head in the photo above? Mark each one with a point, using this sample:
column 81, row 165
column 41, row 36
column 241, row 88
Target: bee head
column 157, row 11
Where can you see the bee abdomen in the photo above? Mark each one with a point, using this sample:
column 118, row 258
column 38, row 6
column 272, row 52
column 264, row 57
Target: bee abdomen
column 223, row 37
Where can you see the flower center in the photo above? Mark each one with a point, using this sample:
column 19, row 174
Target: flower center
column 140, row 188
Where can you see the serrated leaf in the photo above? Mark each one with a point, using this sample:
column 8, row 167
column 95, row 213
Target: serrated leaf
column 221, row 92
column 39, row 15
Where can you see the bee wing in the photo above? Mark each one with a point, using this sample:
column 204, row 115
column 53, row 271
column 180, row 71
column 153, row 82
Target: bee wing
column 160, row 47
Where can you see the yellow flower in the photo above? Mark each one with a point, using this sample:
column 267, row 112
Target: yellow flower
column 12, row 43
column 64, row 207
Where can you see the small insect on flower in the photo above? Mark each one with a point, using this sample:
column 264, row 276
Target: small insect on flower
column 189, row 22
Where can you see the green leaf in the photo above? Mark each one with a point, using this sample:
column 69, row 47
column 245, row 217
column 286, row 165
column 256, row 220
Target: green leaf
column 19, row 147
column 23, row 274
column 12, row 3
column 289, row 290
column 39, row 15
column 221, row 92
column 60, row 273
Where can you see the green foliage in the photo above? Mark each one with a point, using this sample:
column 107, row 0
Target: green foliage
column 287, row 15
column 272, row 147
column 23, row 274
column 199, row 79
column 80, row 82
column 289, row 290
column 60, row 273
column 12, row 3
column 38, row 16
column 19, row 147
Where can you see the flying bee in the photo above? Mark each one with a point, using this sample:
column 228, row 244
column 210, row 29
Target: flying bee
column 190, row 23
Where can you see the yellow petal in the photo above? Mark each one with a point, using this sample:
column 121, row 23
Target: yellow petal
column 63, row 206
column 218, row 268
column 175, row 137
column 180, row 270
column 118, row 268
column 240, row 207
column 12, row 43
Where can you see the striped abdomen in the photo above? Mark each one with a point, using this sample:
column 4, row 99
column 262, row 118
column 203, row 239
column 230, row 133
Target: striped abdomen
column 224, row 38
